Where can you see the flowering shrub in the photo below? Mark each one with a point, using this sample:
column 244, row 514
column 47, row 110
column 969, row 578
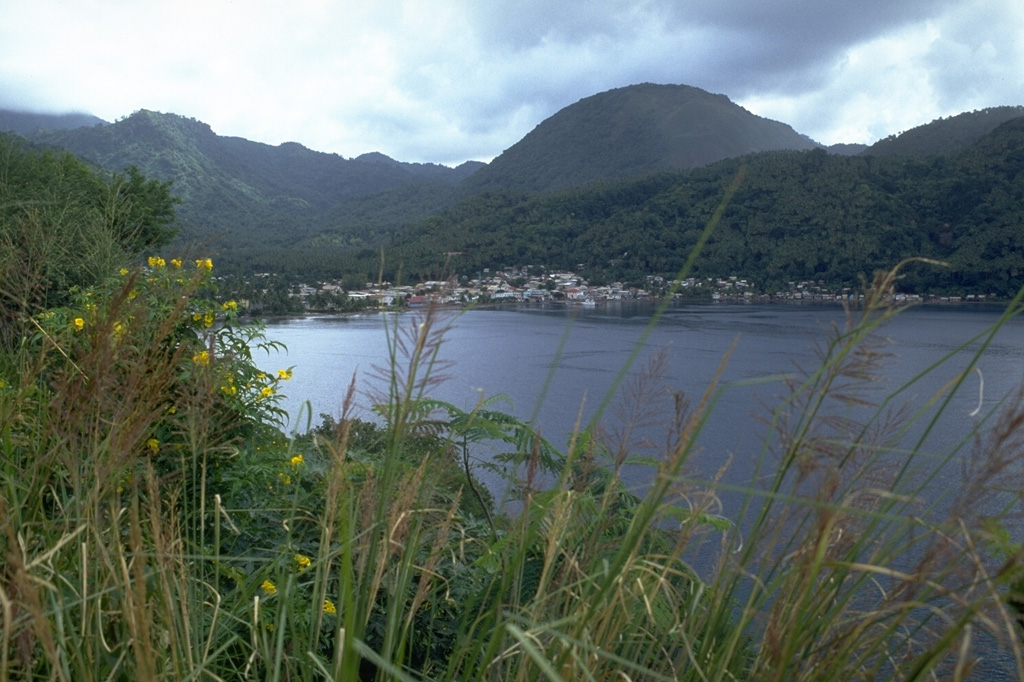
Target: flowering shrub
column 187, row 359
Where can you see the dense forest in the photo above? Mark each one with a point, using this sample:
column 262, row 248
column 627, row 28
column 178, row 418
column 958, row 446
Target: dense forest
column 630, row 131
column 618, row 186
column 235, row 191
column 796, row 216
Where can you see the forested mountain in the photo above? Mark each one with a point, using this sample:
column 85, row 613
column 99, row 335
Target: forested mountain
column 796, row 215
column 945, row 134
column 241, row 197
column 617, row 183
column 24, row 122
column 633, row 130
column 844, row 149
column 237, row 189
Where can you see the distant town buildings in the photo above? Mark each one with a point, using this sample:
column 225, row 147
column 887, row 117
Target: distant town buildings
column 524, row 285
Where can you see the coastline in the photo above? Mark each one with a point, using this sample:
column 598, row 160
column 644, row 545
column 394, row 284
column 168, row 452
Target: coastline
column 937, row 302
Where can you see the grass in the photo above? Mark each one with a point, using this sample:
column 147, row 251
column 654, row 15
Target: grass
column 160, row 526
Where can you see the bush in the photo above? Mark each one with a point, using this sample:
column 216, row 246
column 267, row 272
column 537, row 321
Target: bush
column 161, row 526
column 66, row 225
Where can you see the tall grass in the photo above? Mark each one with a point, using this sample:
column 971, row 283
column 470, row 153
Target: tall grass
column 158, row 527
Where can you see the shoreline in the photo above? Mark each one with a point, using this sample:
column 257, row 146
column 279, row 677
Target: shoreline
column 603, row 304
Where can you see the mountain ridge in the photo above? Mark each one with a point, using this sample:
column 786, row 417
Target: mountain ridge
column 796, row 216
column 225, row 179
column 631, row 130
column 22, row 122
column 244, row 199
column 945, row 134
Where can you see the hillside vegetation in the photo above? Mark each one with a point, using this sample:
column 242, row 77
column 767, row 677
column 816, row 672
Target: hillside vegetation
column 65, row 225
column 240, row 197
column 234, row 190
column 159, row 525
column 629, row 131
column 618, row 184
column 26, row 123
column 945, row 134
column 795, row 216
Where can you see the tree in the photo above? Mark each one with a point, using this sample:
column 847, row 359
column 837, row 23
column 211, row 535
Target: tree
column 144, row 210
column 66, row 225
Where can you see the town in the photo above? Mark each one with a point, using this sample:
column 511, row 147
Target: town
column 530, row 285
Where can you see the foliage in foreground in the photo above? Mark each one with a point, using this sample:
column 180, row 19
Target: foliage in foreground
column 159, row 525
column 66, row 225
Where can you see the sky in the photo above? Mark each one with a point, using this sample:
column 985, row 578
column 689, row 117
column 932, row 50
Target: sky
column 446, row 81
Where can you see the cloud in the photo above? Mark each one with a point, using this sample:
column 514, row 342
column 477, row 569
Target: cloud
column 428, row 81
column 978, row 58
column 965, row 57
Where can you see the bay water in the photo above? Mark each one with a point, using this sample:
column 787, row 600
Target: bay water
column 556, row 366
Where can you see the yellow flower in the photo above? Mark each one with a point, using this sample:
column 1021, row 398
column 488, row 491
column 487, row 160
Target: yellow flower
column 118, row 330
column 201, row 358
column 132, row 294
column 229, row 389
column 284, row 374
column 153, row 444
column 284, row 478
column 79, row 324
column 266, row 392
column 268, row 588
column 302, row 561
column 156, row 262
column 204, row 264
column 296, row 461
column 230, row 305
column 123, row 271
column 176, row 262
column 208, row 319
column 329, row 607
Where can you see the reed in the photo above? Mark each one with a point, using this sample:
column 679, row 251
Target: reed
column 159, row 525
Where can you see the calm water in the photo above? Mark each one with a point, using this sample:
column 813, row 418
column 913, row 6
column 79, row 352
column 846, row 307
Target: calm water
column 514, row 352
column 578, row 353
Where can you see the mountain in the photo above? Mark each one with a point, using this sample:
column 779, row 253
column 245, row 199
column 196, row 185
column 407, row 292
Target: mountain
column 24, row 122
column 236, row 188
column 844, row 149
column 633, row 130
column 238, row 194
column 622, row 182
column 796, row 216
column 945, row 134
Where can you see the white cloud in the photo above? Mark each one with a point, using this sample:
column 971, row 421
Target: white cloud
column 929, row 69
column 422, row 80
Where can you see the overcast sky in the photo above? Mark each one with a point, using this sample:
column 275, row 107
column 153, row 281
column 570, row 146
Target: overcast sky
column 451, row 80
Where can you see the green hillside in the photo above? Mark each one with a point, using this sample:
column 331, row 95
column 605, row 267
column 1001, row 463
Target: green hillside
column 797, row 215
column 945, row 134
column 633, row 130
column 234, row 190
column 618, row 183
